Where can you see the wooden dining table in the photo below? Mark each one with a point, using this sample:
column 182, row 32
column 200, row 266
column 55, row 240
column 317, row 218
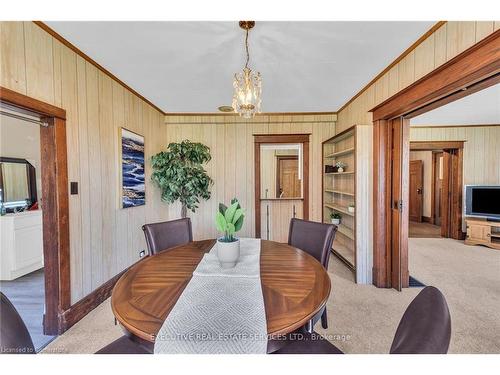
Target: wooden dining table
column 295, row 287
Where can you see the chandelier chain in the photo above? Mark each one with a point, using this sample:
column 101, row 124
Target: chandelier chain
column 246, row 47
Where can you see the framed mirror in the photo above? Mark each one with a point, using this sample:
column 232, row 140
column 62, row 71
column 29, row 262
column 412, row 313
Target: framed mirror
column 17, row 184
column 281, row 171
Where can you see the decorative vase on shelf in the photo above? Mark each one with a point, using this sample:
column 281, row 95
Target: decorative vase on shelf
column 228, row 252
column 336, row 221
column 340, row 170
column 351, row 209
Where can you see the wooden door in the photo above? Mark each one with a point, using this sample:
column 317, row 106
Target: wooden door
column 400, row 128
column 288, row 184
column 416, row 187
column 438, row 186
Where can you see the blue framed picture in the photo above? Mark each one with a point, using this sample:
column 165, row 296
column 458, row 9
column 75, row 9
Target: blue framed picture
column 132, row 162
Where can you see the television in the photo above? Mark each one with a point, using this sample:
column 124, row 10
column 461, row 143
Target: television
column 483, row 201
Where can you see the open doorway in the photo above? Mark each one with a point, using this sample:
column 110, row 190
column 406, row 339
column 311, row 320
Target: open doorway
column 435, row 188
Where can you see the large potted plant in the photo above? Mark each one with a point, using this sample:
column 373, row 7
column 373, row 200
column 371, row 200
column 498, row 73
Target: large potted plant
column 180, row 175
column 229, row 220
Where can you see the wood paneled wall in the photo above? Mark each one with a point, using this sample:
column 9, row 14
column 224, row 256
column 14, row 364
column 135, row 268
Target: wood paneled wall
column 231, row 141
column 104, row 239
column 481, row 162
column 441, row 46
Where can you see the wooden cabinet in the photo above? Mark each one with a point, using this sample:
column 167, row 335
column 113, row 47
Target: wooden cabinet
column 22, row 247
column 483, row 232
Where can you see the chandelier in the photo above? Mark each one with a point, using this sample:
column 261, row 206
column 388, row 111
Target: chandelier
column 247, row 84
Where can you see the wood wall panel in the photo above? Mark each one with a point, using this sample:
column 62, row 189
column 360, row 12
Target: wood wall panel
column 448, row 40
column 104, row 239
column 12, row 57
column 480, row 159
column 231, row 141
column 39, row 63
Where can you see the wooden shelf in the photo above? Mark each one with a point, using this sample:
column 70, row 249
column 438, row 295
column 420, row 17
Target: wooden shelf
column 340, row 173
column 339, row 192
column 346, row 231
column 339, row 209
column 339, row 153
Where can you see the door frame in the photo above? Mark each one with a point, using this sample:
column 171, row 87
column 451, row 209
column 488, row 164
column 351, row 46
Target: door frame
column 260, row 139
column 472, row 70
column 55, row 211
column 451, row 213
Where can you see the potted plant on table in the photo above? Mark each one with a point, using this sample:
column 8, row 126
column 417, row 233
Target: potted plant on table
column 335, row 218
column 229, row 220
column 351, row 208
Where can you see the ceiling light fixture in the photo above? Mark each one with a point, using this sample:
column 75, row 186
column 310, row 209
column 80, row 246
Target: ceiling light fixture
column 247, row 84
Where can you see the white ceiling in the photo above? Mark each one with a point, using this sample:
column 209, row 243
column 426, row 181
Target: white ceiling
column 188, row 66
column 482, row 107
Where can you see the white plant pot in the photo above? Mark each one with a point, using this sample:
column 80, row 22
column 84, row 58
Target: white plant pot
column 336, row 221
column 350, row 209
column 340, row 170
column 228, row 253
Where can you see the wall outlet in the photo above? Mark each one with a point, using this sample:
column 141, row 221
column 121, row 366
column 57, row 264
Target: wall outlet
column 142, row 253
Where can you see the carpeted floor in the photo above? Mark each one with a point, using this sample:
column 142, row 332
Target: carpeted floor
column 362, row 318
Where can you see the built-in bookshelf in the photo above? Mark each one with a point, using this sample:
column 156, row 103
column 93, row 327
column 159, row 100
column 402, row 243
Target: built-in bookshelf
column 347, row 193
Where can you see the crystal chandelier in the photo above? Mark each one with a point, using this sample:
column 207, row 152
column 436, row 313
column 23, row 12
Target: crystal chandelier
column 247, row 84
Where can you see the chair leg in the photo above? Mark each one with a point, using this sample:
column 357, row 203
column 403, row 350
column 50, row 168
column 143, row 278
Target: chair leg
column 309, row 326
column 324, row 320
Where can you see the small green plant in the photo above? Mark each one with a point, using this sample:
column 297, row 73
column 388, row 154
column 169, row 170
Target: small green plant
column 340, row 164
column 351, row 205
column 229, row 220
column 335, row 215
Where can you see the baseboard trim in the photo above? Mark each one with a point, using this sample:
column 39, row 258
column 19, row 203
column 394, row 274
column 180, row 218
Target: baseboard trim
column 88, row 303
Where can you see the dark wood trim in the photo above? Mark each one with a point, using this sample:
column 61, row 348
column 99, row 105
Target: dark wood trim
column 476, row 64
column 280, row 138
column 427, row 219
column 193, row 114
column 88, row 303
column 395, row 62
column 434, row 176
column 456, row 95
column 72, row 47
column 435, row 145
column 55, row 213
column 479, row 63
column 25, row 102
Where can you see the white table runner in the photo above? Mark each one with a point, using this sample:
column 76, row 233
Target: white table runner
column 221, row 311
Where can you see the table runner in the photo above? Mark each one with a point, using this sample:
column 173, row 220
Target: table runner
column 221, row 311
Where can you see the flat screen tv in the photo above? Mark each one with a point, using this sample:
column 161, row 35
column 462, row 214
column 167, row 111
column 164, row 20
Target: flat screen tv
column 482, row 201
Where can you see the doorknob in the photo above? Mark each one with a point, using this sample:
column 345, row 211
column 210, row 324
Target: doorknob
column 419, row 191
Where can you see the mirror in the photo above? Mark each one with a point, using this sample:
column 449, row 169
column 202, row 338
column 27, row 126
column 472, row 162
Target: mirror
column 17, row 184
column 281, row 171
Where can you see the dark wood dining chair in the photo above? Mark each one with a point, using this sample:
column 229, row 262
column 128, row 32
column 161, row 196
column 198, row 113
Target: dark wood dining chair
column 316, row 239
column 15, row 338
column 14, row 335
column 167, row 234
column 425, row 328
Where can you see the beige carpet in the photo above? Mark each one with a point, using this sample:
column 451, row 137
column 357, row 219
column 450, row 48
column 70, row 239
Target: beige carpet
column 363, row 318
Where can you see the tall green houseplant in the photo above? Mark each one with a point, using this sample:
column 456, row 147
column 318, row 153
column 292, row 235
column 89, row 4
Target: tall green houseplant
column 180, row 175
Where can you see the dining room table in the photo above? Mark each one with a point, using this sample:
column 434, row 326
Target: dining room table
column 295, row 287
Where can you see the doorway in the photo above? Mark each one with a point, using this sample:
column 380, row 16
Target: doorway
column 472, row 70
column 435, row 189
column 281, row 183
column 55, row 212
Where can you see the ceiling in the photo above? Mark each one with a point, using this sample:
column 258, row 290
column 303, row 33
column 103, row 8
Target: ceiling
column 482, row 107
column 188, row 66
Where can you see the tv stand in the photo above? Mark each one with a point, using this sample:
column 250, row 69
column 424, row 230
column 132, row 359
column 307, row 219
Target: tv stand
column 483, row 232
